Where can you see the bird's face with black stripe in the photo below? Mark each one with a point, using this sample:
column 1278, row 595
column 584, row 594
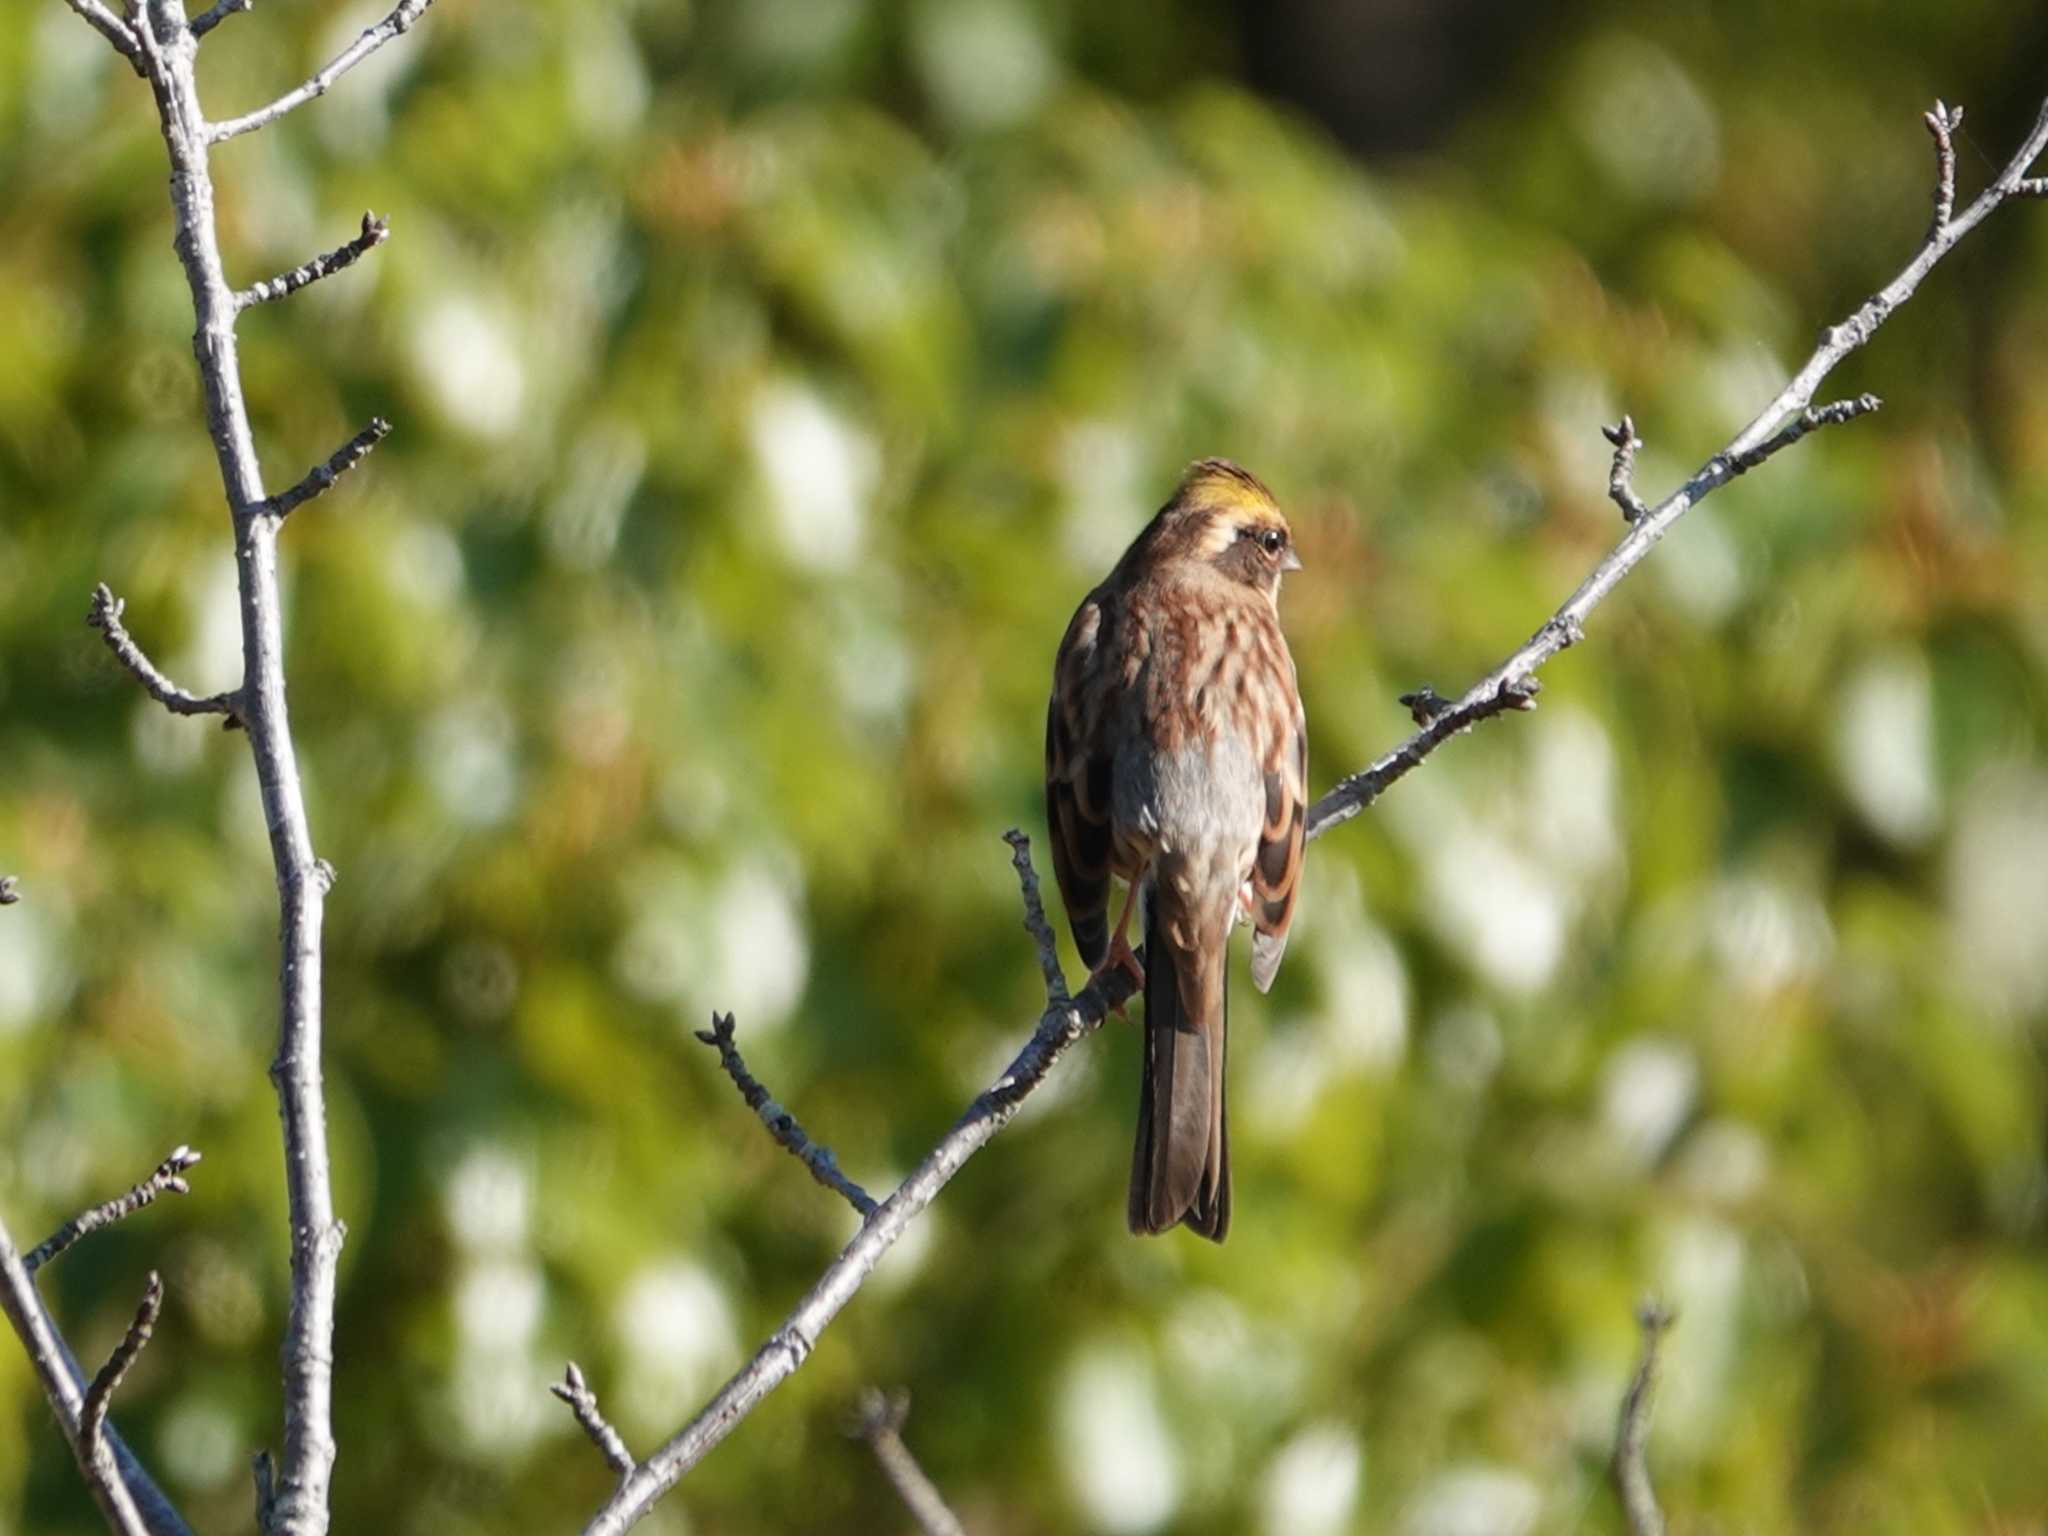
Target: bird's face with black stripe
column 1224, row 516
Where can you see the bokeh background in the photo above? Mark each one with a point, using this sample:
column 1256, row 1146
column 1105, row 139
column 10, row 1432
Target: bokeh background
column 770, row 378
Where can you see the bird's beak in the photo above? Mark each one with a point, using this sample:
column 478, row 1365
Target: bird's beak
column 1292, row 562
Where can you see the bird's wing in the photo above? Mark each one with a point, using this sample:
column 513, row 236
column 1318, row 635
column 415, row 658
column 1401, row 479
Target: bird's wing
column 1276, row 867
column 1077, row 783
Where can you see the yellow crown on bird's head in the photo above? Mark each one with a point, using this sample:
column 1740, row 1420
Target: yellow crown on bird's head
column 1218, row 485
column 1219, row 504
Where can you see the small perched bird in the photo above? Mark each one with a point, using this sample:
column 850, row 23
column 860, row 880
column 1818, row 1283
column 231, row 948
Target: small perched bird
column 1176, row 757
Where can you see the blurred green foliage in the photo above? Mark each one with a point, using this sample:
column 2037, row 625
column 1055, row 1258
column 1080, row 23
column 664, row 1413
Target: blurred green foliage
column 771, row 377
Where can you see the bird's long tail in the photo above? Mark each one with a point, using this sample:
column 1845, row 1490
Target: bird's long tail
column 1180, row 1170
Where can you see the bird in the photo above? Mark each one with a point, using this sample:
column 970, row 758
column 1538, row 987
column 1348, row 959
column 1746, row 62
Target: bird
column 1176, row 759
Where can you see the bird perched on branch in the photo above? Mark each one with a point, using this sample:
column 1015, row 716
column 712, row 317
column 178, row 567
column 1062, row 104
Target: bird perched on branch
column 1176, row 758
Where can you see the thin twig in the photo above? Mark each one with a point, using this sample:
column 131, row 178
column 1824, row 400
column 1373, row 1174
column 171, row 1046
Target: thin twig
column 112, row 28
column 1784, row 421
column 880, row 1424
column 1811, row 419
column 92, row 1418
column 167, row 1179
column 1630, row 1466
column 396, row 24
column 1621, row 485
column 575, row 1391
column 374, row 233
column 208, row 19
column 1942, row 123
column 782, row 1125
column 1034, row 919
column 105, row 616
column 322, row 476
column 131, row 1503
column 1059, row 1029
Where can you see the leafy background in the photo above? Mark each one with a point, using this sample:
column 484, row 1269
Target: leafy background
column 770, row 380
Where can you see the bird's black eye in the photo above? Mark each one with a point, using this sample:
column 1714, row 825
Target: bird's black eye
column 1272, row 540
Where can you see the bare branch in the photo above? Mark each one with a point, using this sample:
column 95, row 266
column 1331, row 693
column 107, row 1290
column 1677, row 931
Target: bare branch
column 208, row 19
column 131, row 1503
column 298, row 1494
column 396, row 24
column 782, row 1125
column 1059, row 1029
column 322, row 476
column 375, row 232
column 167, row 1179
column 1630, row 1467
column 1781, row 423
column 575, row 1391
column 1621, row 479
column 92, row 1418
column 1034, row 919
column 2033, row 186
column 10, row 890
column 105, row 616
column 112, row 28
column 1942, row 123
column 880, row 1424
column 1809, row 420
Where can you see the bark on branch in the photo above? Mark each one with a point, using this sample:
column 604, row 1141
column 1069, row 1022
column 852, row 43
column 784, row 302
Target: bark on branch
column 375, row 232
column 128, row 1499
column 105, row 616
column 396, row 24
column 92, row 1417
column 112, row 28
column 1630, row 1469
column 880, row 1423
column 781, row 1124
column 321, row 477
column 168, row 1179
column 575, row 1391
column 212, row 17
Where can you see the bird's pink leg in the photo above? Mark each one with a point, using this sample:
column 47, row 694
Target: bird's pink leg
column 1120, row 957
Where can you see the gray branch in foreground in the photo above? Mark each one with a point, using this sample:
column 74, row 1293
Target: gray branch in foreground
column 92, row 1416
column 1621, row 479
column 1510, row 686
column 1780, row 424
column 1630, row 1467
column 782, row 1125
column 1059, row 1029
column 575, row 1391
column 131, row 1503
column 296, row 1502
column 212, row 17
column 112, row 28
column 105, row 616
column 322, row 477
column 1034, row 919
column 880, row 1424
column 396, row 24
column 374, row 233
column 169, row 1178
column 1942, row 123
